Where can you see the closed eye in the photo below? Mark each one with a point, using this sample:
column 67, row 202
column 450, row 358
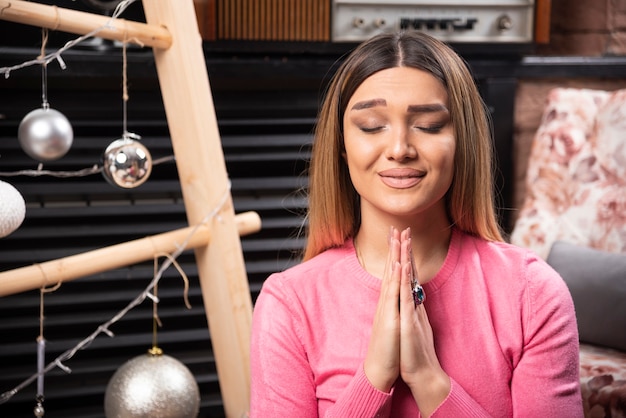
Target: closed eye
column 431, row 129
column 369, row 130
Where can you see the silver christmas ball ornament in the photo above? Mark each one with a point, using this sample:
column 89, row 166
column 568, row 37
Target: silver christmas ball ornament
column 127, row 163
column 45, row 134
column 12, row 209
column 155, row 386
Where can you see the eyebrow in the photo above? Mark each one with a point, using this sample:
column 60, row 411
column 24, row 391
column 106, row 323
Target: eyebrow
column 366, row 104
column 422, row 108
column 427, row 108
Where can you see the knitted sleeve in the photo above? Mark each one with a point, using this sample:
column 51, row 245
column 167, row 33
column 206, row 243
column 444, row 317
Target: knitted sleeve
column 282, row 382
column 546, row 380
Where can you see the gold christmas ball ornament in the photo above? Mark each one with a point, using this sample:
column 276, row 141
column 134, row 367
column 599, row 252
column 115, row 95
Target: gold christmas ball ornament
column 45, row 134
column 127, row 163
column 155, row 386
column 12, row 209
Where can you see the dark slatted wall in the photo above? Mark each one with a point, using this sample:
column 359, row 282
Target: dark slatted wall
column 265, row 127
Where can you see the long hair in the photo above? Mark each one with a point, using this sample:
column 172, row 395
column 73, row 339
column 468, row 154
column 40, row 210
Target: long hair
column 334, row 212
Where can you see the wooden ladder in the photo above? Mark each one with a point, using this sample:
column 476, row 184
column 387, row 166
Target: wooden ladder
column 172, row 31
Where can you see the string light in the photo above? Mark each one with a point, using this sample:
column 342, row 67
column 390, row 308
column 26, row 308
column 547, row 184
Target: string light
column 78, row 173
column 44, row 60
column 104, row 328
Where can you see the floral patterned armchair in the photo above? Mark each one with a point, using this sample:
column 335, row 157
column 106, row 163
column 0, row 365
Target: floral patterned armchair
column 574, row 216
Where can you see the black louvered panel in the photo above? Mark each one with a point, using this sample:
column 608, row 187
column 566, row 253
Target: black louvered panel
column 266, row 136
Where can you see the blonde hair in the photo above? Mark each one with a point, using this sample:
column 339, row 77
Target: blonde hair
column 334, row 213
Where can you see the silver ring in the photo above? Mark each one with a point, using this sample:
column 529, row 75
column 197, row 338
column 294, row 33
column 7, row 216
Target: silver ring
column 419, row 296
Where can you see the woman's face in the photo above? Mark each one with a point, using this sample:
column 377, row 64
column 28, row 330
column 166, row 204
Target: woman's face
column 399, row 142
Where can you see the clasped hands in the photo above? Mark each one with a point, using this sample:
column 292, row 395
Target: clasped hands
column 401, row 343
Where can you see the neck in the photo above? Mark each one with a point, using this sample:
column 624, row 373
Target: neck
column 430, row 242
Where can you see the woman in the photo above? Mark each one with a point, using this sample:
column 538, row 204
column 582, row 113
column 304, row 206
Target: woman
column 400, row 193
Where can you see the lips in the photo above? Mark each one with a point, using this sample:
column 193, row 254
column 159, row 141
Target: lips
column 401, row 178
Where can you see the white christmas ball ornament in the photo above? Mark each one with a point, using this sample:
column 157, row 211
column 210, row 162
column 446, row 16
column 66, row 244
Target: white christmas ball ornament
column 127, row 163
column 155, row 386
column 12, row 209
column 45, row 134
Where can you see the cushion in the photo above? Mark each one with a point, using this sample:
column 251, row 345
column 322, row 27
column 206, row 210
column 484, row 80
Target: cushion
column 576, row 176
column 597, row 282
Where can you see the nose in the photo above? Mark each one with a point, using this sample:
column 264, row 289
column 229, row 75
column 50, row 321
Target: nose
column 400, row 146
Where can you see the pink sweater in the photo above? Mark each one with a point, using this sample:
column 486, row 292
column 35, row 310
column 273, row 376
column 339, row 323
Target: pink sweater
column 503, row 321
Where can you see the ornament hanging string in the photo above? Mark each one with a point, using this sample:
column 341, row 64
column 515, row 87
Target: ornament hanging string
column 104, row 328
column 41, row 348
column 44, row 69
column 156, row 321
column 124, row 91
column 57, row 18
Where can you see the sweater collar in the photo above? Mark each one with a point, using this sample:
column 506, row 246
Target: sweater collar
column 445, row 272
